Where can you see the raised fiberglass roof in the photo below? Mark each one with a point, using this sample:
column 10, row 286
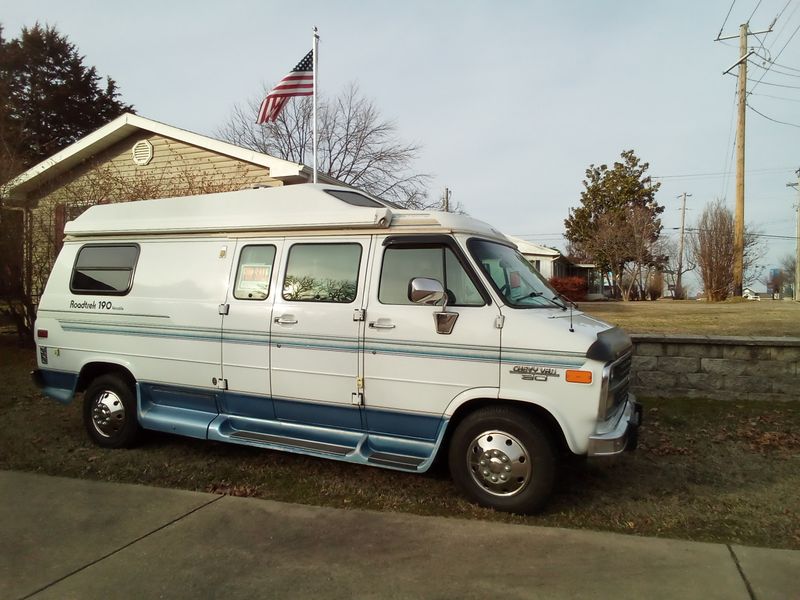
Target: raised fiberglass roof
column 293, row 207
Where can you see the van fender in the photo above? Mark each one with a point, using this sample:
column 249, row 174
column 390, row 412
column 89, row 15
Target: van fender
column 87, row 372
column 540, row 401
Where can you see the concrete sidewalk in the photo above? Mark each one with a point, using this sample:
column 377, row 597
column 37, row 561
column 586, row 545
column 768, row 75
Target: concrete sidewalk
column 69, row 538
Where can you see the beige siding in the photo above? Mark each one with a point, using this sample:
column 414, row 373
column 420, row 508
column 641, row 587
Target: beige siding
column 177, row 169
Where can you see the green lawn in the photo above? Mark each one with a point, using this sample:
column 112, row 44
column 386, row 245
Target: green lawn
column 764, row 318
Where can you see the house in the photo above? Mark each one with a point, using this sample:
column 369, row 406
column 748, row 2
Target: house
column 552, row 264
column 130, row 158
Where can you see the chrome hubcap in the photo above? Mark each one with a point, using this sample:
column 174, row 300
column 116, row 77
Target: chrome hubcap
column 108, row 414
column 499, row 463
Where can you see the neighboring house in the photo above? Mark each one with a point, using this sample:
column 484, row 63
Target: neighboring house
column 546, row 260
column 749, row 294
column 131, row 158
column 551, row 263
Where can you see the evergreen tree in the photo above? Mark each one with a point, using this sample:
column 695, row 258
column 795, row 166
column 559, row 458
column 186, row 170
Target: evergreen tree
column 618, row 221
column 51, row 97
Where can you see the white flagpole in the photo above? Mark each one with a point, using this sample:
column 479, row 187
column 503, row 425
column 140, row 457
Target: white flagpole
column 315, row 47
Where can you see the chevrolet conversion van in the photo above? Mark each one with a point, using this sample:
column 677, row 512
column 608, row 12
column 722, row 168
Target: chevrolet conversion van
column 319, row 320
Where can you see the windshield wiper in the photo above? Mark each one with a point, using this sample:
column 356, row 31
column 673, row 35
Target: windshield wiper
column 552, row 300
column 563, row 299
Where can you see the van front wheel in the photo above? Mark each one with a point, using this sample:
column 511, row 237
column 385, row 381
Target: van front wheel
column 109, row 412
column 501, row 458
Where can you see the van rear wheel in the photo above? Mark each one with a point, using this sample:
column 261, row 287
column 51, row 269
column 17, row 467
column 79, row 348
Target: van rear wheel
column 503, row 459
column 109, row 412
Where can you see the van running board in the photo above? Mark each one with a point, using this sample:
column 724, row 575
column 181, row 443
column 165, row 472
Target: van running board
column 294, row 442
column 398, row 461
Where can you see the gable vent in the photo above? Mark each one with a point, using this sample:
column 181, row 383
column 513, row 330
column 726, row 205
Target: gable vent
column 142, row 152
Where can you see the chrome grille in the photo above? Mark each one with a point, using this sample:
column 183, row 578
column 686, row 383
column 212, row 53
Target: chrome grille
column 618, row 383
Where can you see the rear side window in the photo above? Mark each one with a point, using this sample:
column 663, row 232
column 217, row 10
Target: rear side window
column 105, row 269
column 322, row 273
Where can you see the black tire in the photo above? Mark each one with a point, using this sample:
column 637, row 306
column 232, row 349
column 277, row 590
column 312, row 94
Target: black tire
column 109, row 412
column 502, row 458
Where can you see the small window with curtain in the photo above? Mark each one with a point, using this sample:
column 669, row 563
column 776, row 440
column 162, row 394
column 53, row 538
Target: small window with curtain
column 254, row 273
column 104, row 269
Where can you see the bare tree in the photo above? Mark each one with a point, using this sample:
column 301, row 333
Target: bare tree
column 356, row 145
column 789, row 267
column 712, row 246
column 674, row 270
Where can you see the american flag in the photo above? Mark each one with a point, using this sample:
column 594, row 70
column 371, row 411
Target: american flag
column 300, row 82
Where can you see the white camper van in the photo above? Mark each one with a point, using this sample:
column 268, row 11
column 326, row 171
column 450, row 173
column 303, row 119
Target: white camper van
column 316, row 319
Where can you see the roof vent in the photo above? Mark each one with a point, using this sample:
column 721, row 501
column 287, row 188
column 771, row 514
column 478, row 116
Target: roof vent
column 142, row 152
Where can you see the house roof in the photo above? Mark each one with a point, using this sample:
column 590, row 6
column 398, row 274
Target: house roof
column 533, row 249
column 127, row 124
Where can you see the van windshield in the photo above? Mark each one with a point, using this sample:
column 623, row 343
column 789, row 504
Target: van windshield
column 514, row 278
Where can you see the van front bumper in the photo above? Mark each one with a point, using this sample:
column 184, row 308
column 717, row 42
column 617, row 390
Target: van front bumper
column 623, row 437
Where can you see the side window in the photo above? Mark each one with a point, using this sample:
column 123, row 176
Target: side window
column 104, row 269
column 254, row 272
column 322, row 273
column 401, row 265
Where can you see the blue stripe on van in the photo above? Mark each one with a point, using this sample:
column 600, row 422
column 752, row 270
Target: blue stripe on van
column 59, row 385
column 338, row 416
column 395, row 423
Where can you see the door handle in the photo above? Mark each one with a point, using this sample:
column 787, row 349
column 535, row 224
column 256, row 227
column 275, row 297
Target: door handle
column 286, row 320
column 382, row 324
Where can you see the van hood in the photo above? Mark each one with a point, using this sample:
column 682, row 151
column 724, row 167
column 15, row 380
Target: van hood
column 548, row 330
column 612, row 342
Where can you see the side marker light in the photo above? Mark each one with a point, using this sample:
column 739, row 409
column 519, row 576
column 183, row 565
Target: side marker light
column 575, row 376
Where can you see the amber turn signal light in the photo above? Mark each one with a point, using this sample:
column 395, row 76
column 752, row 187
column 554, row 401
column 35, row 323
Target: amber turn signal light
column 574, row 376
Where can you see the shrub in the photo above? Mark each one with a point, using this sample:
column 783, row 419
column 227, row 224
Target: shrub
column 574, row 288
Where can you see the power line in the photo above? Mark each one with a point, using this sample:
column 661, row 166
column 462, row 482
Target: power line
column 777, row 97
column 785, row 23
column 785, row 6
column 776, row 58
column 754, row 11
column 781, row 85
column 770, row 236
column 726, row 19
column 777, row 64
column 722, row 173
column 770, row 118
column 729, row 160
column 771, row 68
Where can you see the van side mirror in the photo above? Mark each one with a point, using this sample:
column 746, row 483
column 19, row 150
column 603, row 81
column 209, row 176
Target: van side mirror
column 424, row 290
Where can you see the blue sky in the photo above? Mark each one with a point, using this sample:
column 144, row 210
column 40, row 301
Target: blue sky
column 510, row 100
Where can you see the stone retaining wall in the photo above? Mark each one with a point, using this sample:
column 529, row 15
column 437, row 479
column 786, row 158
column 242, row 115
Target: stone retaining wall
column 721, row 368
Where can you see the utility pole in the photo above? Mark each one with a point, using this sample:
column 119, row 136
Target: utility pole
column 796, row 285
column 738, row 242
column 446, row 200
column 678, row 285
